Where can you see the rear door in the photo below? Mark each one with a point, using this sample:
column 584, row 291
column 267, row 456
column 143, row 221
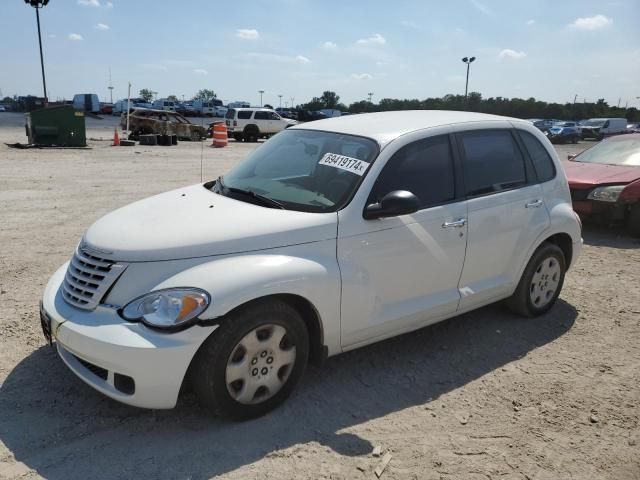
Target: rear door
column 506, row 214
column 263, row 120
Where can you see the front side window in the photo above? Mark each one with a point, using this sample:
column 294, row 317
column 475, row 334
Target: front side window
column 542, row 162
column 304, row 170
column 424, row 168
column 492, row 162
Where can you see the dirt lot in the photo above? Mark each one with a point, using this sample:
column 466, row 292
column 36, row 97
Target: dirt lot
column 484, row 395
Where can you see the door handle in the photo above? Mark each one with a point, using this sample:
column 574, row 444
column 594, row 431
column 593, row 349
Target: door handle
column 461, row 222
column 534, row 204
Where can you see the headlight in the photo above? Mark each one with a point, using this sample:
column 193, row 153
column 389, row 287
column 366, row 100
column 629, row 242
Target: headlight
column 170, row 309
column 606, row 194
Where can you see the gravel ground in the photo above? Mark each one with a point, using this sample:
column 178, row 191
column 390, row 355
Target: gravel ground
column 483, row 395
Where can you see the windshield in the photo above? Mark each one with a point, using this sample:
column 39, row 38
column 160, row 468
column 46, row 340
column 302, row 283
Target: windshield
column 304, row 170
column 616, row 151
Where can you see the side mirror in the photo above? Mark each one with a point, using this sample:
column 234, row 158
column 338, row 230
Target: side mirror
column 571, row 156
column 398, row 202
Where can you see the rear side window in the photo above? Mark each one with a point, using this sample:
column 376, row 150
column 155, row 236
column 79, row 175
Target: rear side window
column 260, row 115
column 424, row 168
column 492, row 162
column 542, row 162
column 244, row 114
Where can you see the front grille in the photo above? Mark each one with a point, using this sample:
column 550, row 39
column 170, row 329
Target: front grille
column 88, row 278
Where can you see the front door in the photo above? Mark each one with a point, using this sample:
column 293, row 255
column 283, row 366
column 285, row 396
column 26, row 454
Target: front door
column 401, row 273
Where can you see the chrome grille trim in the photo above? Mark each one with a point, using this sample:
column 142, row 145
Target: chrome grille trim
column 88, row 279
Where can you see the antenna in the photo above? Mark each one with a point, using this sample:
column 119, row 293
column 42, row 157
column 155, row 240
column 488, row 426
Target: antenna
column 110, row 87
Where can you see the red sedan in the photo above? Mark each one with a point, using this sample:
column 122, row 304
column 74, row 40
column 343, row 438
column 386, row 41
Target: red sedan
column 605, row 181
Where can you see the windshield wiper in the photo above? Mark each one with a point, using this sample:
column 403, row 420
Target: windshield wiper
column 270, row 202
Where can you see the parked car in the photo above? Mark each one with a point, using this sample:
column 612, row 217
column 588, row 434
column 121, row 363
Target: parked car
column 206, row 108
column 221, row 111
column 86, row 102
column 331, row 236
column 250, row 124
column 2, row 109
column 164, row 104
column 106, row 108
column 144, row 121
column 633, row 128
column 563, row 132
column 605, row 181
column 599, row 128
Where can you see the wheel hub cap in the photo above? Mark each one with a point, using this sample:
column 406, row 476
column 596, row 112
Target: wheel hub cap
column 260, row 364
column 544, row 282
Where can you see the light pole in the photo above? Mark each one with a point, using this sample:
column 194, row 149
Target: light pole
column 38, row 4
column 280, row 97
column 370, row 94
column 468, row 61
column 260, row 92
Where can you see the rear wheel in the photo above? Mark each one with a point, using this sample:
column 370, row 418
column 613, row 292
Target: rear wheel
column 238, row 137
column 252, row 362
column 541, row 282
column 251, row 133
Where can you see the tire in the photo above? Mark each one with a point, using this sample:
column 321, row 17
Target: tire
column 574, row 140
column 633, row 220
column 238, row 137
column 541, row 282
column 251, row 133
column 237, row 348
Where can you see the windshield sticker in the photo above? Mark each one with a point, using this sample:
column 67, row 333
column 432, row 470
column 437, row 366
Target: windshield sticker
column 348, row 164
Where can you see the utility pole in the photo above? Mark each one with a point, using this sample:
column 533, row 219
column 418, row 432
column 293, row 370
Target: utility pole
column 110, row 87
column 575, row 98
column 38, row 4
column 280, row 97
column 370, row 94
column 468, row 61
column 292, row 104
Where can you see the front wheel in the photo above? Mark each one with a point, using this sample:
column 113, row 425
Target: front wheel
column 541, row 282
column 252, row 362
column 633, row 220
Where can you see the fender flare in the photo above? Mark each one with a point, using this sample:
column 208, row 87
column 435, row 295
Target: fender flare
column 238, row 280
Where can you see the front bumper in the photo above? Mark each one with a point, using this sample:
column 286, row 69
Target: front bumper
column 128, row 362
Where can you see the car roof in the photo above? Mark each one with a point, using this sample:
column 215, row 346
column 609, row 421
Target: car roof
column 386, row 126
column 252, row 108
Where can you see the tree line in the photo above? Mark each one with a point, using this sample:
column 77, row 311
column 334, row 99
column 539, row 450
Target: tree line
column 510, row 107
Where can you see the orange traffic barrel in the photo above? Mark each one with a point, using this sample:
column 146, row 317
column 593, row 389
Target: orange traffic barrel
column 220, row 137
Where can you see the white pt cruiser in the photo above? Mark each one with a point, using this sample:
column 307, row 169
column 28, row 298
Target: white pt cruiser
column 330, row 236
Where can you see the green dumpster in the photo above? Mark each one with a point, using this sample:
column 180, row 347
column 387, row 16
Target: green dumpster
column 60, row 126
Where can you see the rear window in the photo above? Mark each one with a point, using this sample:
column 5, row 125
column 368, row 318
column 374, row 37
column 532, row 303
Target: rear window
column 492, row 163
column 542, row 162
column 244, row 114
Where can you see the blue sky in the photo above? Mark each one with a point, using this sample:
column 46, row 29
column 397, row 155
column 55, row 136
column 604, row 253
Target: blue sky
column 550, row 50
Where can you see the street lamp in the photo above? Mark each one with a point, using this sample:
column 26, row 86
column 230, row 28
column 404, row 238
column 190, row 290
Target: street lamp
column 260, row 92
column 468, row 61
column 280, row 97
column 38, row 4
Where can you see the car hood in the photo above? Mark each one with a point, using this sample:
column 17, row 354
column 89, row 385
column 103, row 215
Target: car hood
column 587, row 175
column 195, row 222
